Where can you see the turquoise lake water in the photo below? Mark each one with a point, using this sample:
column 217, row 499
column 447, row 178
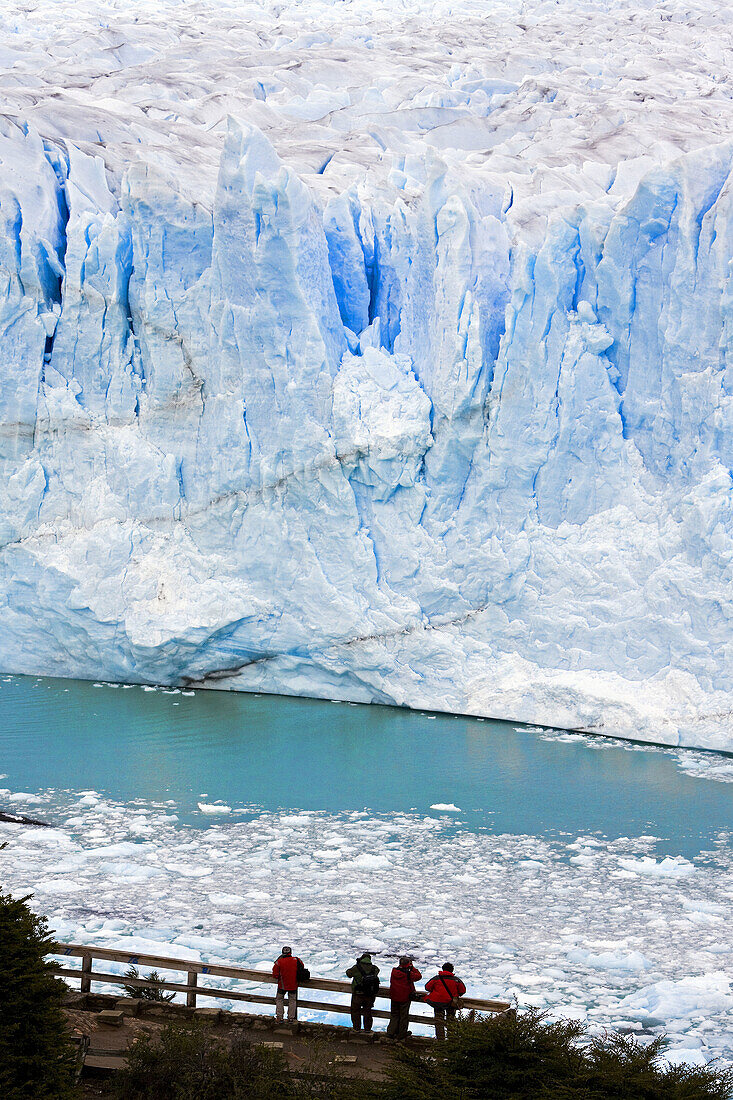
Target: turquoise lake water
column 255, row 752
column 589, row 877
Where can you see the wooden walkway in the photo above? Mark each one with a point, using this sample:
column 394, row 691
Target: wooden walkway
column 194, row 970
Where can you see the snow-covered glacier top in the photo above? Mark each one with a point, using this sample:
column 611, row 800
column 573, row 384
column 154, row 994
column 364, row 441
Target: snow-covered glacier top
column 543, row 102
column 380, row 351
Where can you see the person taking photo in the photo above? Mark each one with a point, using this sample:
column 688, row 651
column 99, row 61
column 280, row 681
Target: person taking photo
column 444, row 994
column 364, row 988
column 401, row 993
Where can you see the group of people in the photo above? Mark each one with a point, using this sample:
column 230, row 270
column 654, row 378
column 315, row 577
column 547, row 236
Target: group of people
column 442, row 992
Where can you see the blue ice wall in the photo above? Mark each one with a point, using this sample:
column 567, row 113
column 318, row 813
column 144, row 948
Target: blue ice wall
column 378, row 449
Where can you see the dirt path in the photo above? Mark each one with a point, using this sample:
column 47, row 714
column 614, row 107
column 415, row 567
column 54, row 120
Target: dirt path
column 112, row 1024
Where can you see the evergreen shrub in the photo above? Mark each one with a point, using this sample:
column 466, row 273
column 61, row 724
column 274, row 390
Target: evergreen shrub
column 185, row 1062
column 526, row 1056
column 517, row 1056
column 37, row 1059
column 147, row 993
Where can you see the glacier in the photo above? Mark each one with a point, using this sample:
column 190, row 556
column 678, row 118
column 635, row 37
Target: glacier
column 373, row 352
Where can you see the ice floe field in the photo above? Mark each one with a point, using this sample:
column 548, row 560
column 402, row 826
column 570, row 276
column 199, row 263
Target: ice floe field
column 590, row 928
column 617, row 928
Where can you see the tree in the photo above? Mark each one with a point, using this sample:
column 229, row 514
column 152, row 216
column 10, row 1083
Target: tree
column 527, row 1056
column 36, row 1056
column 146, row 992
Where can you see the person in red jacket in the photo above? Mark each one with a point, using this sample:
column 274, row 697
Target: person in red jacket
column 444, row 991
column 286, row 971
column 401, row 993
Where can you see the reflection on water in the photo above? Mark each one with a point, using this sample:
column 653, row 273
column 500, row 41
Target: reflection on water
column 274, row 752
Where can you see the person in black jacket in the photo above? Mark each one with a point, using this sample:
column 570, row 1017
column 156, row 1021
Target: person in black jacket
column 364, row 988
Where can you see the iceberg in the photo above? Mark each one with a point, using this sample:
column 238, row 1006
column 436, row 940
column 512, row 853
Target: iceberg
column 345, row 359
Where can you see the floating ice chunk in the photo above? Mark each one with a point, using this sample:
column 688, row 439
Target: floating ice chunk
column 366, row 862
column 143, row 945
column 369, row 944
column 58, row 886
column 571, row 1012
column 669, row 867
column 700, row 995
column 225, row 900
column 446, row 807
column 701, row 905
column 130, row 872
column 214, row 808
column 405, row 933
column 88, row 798
column 189, row 870
column 610, row 960
column 527, row 979
column 684, row 1056
column 583, row 860
column 707, row 766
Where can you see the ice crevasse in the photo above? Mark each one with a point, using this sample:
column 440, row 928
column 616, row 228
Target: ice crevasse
column 380, row 447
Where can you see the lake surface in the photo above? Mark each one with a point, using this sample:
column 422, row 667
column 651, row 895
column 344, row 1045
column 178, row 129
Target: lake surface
column 587, row 877
column 253, row 752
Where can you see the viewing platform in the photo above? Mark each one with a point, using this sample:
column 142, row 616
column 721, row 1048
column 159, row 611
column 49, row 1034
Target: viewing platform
column 107, row 1024
column 194, row 991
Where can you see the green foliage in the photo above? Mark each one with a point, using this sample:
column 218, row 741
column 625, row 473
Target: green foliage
column 625, row 1069
column 186, row 1062
column 525, row 1056
column 520, row 1056
column 147, row 993
column 36, row 1057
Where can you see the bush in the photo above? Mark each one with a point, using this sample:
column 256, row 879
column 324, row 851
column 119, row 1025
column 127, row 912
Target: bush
column 186, row 1062
column 621, row 1067
column 521, row 1056
column 147, row 993
column 525, row 1056
column 36, row 1056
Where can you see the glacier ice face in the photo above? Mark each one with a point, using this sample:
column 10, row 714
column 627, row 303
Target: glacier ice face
column 343, row 358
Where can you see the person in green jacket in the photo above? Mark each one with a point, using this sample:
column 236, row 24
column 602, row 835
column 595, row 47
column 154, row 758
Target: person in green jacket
column 364, row 988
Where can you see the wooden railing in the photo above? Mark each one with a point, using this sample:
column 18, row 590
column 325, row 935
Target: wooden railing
column 193, row 970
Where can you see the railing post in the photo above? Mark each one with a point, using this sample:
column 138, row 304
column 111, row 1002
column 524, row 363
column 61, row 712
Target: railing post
column 86, row 970
column 191, row 983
